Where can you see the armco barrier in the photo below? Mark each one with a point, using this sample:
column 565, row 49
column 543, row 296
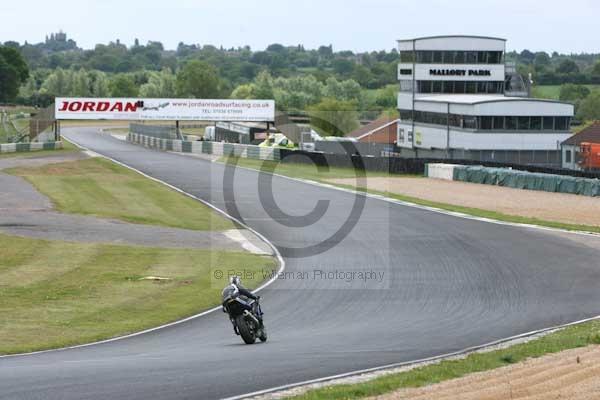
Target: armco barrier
column 26, row 147
column 200, row 147
column 515, row 179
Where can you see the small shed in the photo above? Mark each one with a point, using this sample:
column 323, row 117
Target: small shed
column 570, row 148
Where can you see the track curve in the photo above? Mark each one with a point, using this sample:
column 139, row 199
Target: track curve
column 449, row 283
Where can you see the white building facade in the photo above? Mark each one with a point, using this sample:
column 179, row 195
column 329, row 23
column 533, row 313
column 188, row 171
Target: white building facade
column 458, row 99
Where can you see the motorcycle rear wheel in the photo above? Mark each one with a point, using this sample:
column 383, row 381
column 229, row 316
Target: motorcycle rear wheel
column 246, row 331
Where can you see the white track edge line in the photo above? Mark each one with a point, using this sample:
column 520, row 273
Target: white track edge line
column 407, row 363
column 423, row 207
column 276, row 252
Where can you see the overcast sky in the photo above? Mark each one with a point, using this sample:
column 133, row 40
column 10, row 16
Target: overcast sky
column 358, row 25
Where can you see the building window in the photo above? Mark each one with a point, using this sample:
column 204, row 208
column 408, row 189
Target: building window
column 471, row 87
column 406, row 86
column 499, row 123
column 436, row 87
column 406, row 72
column 454, row 57
column 449, row 87
column 561, row 123
column 482, row 57
column 548, row 123
column 406, row 115
column 407, row 56
column 523, row 123
column 486, row 123
column 425, row 57
column 536, row 124
column 494, row 57
column 511, row 123
column 400, row 135
column 469, row 122
column 471, row 57
column 568, row 157
column 455, row 120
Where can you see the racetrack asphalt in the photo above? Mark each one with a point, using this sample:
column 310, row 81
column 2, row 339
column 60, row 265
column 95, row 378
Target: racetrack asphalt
column 448, row 283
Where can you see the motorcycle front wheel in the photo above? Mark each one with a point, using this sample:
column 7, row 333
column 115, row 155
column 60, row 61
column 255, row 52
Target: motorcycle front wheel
column 263, row 334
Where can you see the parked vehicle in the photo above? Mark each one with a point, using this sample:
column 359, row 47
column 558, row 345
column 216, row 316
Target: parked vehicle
column 278, row 140
column 589, row 156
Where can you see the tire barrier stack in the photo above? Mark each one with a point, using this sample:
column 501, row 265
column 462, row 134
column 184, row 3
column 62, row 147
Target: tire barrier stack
column 201, row 147
column 32, row 146
column 515, row 179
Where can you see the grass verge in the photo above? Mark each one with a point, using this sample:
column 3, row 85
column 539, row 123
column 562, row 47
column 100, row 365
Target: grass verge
column 56, row 294
column 569, row 338
column 101, row 188
column 310, row 172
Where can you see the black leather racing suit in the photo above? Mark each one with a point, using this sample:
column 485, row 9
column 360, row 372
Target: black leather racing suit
column 256, row 310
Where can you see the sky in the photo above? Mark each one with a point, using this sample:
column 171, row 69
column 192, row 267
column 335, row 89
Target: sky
column 357, row 25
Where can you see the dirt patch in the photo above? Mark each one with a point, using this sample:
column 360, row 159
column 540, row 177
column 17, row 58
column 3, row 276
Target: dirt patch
column 556, row 207
column 572, row 374
column 38, row 160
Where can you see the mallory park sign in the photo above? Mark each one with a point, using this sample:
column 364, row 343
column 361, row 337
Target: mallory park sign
column 165, row 109
column 460, row 72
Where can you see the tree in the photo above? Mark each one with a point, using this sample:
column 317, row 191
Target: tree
column 333, row 117
column 161, row 84
column 343, row 67
column 200, row 80
column 123, row 85
column 100, row 84
column 13, row 72
column 57, row 83
column 573, row 93
column 243, row 92
column 589, row 108
column 263, row 86
column 348, row 90
column 567, row 67
column 596, row 69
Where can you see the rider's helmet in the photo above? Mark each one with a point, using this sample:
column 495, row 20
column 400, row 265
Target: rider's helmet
column 235, row 280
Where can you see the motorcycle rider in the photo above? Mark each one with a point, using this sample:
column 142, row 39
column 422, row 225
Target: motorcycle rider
column 235, row 283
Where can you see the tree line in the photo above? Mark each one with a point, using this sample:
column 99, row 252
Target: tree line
column 298, row 79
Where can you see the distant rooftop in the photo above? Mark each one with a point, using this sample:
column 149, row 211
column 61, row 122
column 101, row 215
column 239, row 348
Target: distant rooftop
column 590, row 134
column 451, row 36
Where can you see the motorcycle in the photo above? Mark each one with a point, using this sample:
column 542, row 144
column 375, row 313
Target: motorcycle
column 243, row 316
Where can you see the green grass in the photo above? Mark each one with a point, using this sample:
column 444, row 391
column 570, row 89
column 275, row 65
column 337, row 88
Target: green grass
column 310, row 172
column 101, row 188
column 56, row 294
column 569, row 338
column 553, row 91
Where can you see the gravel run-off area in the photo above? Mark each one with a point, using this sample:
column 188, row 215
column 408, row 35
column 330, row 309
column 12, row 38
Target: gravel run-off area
column 555, row 207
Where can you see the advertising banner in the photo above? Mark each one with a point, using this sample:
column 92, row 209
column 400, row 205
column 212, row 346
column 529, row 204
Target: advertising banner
column 165, row 109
